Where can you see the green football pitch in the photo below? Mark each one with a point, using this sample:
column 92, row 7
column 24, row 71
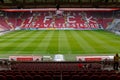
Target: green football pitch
column 67, row 42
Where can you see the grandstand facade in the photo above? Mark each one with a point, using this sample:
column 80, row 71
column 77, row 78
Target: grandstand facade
column 39, row 19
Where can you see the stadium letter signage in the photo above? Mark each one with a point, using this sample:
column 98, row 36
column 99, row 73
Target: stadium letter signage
column 73, row 20
column 70, row 19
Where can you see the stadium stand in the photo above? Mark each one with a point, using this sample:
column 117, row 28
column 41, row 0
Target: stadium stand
column 58, row 71
column 58, row 75
column 40, row 70
column 77, row 20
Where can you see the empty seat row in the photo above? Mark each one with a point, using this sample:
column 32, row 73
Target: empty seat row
column 60, row 77
column 58, row 73
column 54, row 66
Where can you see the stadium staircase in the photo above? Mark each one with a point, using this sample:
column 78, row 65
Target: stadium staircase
column 113, row 24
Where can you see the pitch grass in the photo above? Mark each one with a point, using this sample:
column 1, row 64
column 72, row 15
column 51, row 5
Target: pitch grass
column 51, row 42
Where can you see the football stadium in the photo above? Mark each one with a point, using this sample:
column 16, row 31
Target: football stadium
column 59, row 40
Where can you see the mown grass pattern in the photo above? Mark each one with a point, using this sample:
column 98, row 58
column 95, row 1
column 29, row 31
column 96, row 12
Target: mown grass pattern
column 52, row 42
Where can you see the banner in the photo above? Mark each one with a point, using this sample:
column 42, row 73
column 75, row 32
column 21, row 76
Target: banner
column 94, row 58
column 25, row 58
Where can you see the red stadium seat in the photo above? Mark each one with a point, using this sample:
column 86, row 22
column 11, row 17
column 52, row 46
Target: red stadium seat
column 75, row 77
column 28, row 77
column 104, row 77
column 2, row 77
column 19, row 77
column 37, row 77
column 10, row 77
column 84, row 77
column 112, row 77
column 94, row 77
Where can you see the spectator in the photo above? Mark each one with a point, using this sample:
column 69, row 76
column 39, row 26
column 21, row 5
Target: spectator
column 116, row 62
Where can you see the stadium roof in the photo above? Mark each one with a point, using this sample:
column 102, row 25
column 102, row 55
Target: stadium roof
column 64, row 9
column 63, row 3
